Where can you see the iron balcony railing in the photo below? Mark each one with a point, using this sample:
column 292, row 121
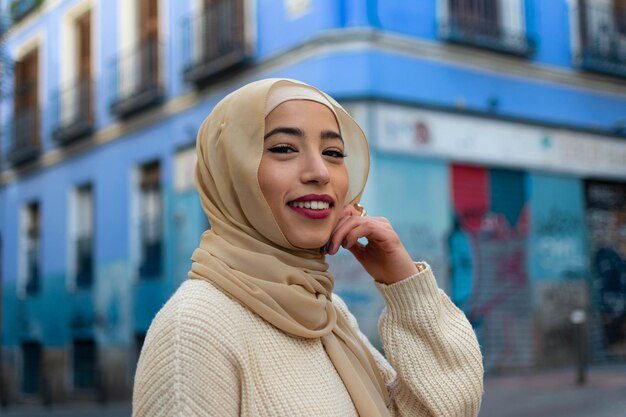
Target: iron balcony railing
column 137, row 79
column 602, row 35
column 213, row 41
column 72, row 111
column 23, row 136
column 498, row 25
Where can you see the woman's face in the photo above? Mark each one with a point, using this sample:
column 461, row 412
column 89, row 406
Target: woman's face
column 302, row 173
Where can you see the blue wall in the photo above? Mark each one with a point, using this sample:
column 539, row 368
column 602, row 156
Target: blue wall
column 119, row 306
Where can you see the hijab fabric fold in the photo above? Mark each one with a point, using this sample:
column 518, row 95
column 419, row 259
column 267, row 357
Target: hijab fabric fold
column 246, row 255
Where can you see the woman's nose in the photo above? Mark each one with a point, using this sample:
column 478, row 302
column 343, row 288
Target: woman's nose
column 315, row 169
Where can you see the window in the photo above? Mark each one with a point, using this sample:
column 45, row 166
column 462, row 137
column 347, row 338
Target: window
column 600, row 35
column 498, row 25
column 82, row 241
column 84, row 359
column 74, row 97
column 137, row 69
column 214, row 39
column 151, row 221
column 31, row 249
column 476, row 16
column 31, row 367
column 25, row 138
column 148, row 41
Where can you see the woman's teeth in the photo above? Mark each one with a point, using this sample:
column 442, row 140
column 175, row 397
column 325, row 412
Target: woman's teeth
column 315, row 205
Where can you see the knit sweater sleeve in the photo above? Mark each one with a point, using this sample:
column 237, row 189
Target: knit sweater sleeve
column 188, row 365
column 434, row 365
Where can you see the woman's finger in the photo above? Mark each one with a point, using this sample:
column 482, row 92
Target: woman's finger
column 345, row 215
column 376, row 228
column 361, row 230
column 340, row 231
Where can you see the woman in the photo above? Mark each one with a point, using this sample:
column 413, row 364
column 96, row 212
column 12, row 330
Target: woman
column 256, row 330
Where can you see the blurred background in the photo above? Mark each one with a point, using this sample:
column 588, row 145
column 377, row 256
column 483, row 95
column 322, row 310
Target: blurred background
column 498, row 138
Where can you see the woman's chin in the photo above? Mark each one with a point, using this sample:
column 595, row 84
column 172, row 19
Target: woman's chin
column 308, row 244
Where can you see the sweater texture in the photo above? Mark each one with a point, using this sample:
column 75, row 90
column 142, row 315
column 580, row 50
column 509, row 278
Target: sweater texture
column 207, row 355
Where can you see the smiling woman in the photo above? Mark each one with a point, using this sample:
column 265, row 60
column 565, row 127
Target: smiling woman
column 257, row 330
column 302, row 174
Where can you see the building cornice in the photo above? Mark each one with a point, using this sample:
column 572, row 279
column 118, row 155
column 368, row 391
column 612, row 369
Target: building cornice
column 336, row 41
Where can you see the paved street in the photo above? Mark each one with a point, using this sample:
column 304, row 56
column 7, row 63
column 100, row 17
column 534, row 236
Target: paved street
column 80, row 410
column 555, row 394
column 547, row 393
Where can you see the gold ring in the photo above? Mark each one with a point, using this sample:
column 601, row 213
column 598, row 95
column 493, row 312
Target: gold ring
column 361, row 209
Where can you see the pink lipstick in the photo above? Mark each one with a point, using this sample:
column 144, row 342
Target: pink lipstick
column 313, row 206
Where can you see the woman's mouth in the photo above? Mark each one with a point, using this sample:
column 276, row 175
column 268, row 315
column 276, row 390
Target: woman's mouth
column 313, row 208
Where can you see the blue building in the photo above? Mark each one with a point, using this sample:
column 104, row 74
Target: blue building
column 498, row 138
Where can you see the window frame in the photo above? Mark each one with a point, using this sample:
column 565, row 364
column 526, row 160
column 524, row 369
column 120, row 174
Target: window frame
column 137, row 221
column 513, row 24
column 23, row 263
column 72, row 284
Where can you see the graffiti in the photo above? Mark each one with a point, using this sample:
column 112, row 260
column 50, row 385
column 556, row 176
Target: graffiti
column 488, row 256
column 558, row 246
column 557, row 222
column 606, row 218
column 557, row 335
column 610, row 271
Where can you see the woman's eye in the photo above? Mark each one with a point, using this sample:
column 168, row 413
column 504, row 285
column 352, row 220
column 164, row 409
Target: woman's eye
column 335, row 153
column 282, row 149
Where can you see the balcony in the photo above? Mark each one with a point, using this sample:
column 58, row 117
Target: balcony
column 602, row 37
column 22, row 133
column 21, row 8
column 137, row 80
column 72, row 111
column 213, row 41
column 497, row 25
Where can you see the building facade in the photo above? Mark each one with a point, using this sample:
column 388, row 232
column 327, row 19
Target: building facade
column 498, row 138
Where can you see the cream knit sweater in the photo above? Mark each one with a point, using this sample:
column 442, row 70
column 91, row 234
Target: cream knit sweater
column 207, row 355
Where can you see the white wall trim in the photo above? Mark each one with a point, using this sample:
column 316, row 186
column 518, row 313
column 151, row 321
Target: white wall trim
column 134, row 221
column 470, row 139
column 574, row 34
column 70, row 258
column 250, row 25
column 21, row 257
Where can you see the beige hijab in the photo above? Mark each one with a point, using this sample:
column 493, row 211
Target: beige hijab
column 246, row 255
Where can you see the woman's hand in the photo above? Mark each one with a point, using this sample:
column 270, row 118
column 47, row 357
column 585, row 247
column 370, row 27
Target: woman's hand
column 384, row 257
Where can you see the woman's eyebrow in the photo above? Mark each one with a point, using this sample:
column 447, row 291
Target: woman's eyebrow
column 294, row 131
column 331, row 134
